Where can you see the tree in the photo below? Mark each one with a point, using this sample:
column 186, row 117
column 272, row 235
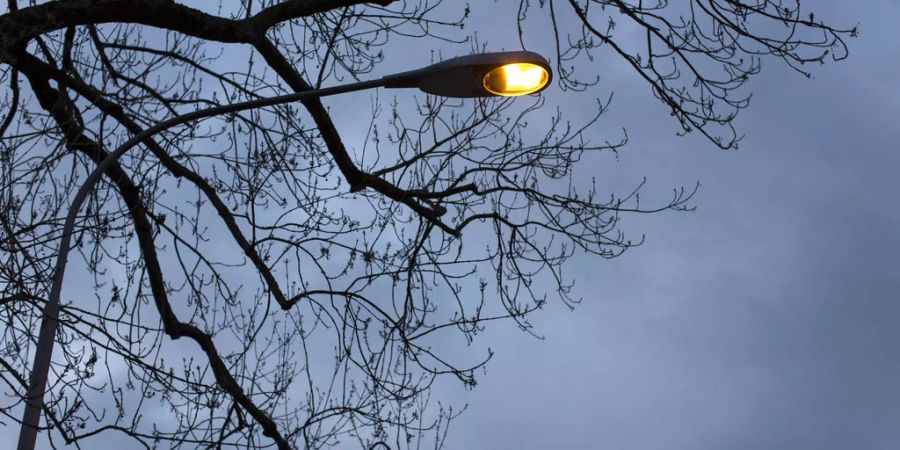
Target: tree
column 257, row 280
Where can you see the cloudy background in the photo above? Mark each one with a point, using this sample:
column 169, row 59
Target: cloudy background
column 766, row 319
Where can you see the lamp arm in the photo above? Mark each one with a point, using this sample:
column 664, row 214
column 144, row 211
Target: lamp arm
column 34, row 398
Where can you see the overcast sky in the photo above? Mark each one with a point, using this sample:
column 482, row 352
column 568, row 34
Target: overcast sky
column 766, row 319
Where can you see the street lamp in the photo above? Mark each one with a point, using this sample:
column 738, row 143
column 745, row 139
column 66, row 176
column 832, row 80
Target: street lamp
column 481, row 75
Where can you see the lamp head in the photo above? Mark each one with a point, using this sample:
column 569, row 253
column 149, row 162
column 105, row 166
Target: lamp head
column 480, row 75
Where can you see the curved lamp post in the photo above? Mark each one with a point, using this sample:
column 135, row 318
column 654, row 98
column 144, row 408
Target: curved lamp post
column 480, row 75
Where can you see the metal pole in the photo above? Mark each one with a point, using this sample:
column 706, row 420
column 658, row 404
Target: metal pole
column 34, row 399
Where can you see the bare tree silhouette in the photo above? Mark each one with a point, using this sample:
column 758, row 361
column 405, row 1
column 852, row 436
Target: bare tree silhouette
column 256, row 281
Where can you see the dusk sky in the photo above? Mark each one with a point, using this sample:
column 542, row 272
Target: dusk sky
column 769, row 318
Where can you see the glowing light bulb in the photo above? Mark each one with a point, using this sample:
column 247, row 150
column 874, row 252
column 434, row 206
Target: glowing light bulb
column 516, row 79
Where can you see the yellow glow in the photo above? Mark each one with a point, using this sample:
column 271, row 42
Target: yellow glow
column 516, row 79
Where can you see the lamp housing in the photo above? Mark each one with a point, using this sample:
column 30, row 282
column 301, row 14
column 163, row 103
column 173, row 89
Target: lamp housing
column 479, row 75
